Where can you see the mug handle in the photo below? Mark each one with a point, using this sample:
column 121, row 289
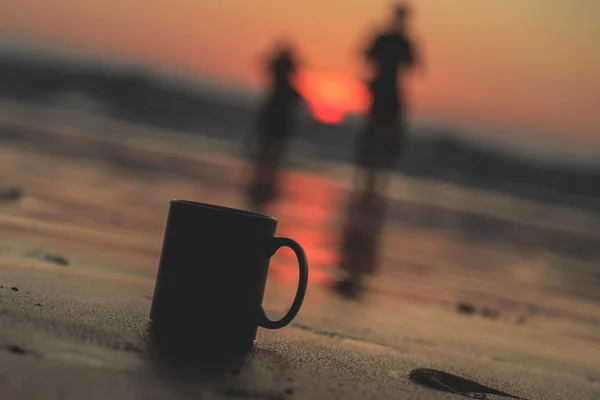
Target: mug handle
column 279, row 242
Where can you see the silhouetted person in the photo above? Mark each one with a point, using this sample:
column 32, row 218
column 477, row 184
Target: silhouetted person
column 378, row 148
column 377, row 151
column 359, row 252
column 274, row 127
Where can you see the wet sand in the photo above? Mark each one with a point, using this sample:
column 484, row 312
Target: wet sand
column 81, row 247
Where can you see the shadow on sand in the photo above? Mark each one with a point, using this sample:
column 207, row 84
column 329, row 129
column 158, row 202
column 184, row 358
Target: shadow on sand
column 233, row 374
column 228, row 377
column 445, row 382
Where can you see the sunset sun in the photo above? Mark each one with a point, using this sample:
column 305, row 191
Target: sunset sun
column 331, row 96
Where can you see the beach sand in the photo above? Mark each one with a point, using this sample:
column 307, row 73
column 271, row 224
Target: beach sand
column 80, row 238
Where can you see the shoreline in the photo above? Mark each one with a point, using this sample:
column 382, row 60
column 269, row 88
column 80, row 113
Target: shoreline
column 222, row 153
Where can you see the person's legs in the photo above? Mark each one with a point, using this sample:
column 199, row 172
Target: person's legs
column 379, row 148
column 386, row 158
column 367, row 157
column 390, row 150
column 357, row 246
column 349, row 246
column 369, row 203
column 373, row 232
column 264, row 170
column 353, row 240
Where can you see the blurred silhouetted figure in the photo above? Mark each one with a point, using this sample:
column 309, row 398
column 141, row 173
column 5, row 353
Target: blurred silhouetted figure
column 275, row 118
column 377, row 151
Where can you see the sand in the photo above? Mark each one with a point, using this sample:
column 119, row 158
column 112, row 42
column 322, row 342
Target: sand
column 79, row 250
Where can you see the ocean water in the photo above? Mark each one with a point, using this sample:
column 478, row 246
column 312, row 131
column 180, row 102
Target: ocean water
column 431, row 153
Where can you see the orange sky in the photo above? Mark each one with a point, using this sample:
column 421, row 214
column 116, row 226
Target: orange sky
column 533, row 63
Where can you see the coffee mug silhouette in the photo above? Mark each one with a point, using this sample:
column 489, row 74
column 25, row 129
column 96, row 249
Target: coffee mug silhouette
column 211, row 279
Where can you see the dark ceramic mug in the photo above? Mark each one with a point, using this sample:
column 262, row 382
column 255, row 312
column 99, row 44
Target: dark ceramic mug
column 211, row 279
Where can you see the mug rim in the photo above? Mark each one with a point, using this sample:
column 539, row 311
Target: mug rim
column 223, row 209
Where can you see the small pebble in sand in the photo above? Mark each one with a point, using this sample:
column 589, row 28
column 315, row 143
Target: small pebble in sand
column 465, row 308
column 49, row 257
column 490, row 313
column 15, row 349
column 37, row 305
column 56, row 259
column 10, row 194
column 14, row 289
column 532, row 310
